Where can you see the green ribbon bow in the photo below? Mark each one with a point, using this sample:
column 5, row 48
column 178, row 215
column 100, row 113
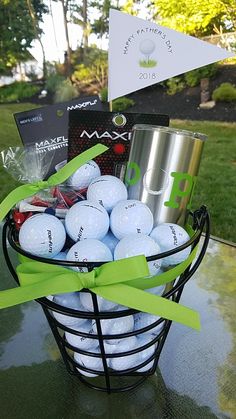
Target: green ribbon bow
column 24, row 191
column 122, row 281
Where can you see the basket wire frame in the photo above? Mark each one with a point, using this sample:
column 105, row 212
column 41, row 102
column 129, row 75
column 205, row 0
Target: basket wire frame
column 109, row 380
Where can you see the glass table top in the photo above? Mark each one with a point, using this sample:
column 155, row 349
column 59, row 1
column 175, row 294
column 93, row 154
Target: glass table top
column 196, row 376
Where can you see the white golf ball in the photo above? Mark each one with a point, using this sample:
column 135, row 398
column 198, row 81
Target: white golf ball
column 90, row 250
column 69, row 300
column 115, row 327
column 147, row 46
column 130, row 216
column 91, row 362
column 107, row 190
column 159, row 290
column 84, row 175
column 110, row 241
column 42, row 235
column 124, row 345
column 124, row 362
column 103, row 304
column 139, row 244
column 87, row 220
column 146, row 353
column 168, row 236
column 82, row 342
column 60, row 256
column 142, row 320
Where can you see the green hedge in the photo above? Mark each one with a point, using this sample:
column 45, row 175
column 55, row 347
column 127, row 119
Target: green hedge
column 17, row 91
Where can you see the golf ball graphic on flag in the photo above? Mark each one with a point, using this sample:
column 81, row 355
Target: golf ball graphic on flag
column 147, row 47
column 168, row 236
column 42, row 235
column 87, row 220
column 83, row 176
column 130, row 216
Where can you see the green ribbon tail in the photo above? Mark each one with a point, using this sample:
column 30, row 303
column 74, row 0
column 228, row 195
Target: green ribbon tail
column 24, row 191
column 165, row 277
column 58, row 285
column 149, row 303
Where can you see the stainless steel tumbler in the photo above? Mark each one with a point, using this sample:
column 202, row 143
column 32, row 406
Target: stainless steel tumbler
column 162, row 170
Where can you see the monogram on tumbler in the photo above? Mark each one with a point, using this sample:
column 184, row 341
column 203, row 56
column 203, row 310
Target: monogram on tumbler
column 162, row 170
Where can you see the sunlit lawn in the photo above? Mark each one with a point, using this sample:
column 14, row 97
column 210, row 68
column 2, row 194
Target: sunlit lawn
column 217, row 177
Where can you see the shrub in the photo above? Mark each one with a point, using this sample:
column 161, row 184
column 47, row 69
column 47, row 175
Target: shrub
column 66, row 91
column 94, row 73
column 175, row 85
column 104, row 94
column 193, row 78
column 121, row 104
column 17, row 91
column 226, row 92
column 53, row 82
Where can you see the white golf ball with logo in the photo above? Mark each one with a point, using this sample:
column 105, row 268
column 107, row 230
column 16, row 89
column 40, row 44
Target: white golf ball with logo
column 83, row 176
column 130, row 216
column 107, row 190
column 139, row 244
column 69, row 300
column 90, row 250
column 87, row 220
column 142, row 320
column 115, row 327
column 42, row 235
column 168, row 236
column 82, row 342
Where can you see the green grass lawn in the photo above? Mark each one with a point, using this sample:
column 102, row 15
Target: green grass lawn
column 216, row 184
column 216, row 181
column 9, row 136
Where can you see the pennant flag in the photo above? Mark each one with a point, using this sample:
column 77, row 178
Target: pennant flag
column 142, row 53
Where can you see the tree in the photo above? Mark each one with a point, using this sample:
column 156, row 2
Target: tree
column 37, row 33
column 198, row 18
column 17, row 31
column 100, row 26
column 65, row 8
column 76, row 13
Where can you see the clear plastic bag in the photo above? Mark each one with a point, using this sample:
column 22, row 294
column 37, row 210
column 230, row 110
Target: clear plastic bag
column 25, row 165
column 28, row 166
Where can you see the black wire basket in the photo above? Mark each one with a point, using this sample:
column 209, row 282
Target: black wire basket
column 98, row 373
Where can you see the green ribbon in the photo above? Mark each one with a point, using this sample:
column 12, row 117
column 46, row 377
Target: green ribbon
column 24, row 191
column 122, row 281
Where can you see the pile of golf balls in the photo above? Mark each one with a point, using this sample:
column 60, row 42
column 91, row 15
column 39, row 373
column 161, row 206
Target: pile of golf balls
column 104, row 227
